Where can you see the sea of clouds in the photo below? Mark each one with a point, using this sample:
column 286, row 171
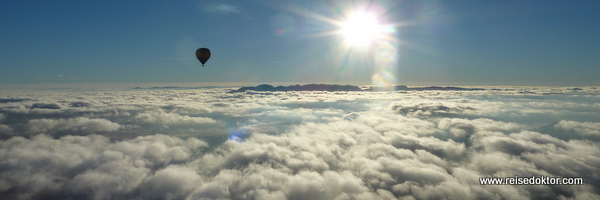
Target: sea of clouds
column 210, row 144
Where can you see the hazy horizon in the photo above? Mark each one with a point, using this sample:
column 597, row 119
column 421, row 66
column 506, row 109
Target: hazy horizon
column 120, row 86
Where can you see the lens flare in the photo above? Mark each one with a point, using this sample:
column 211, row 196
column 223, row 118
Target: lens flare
column 282, row 25
column 385, row 65
column 235, row 133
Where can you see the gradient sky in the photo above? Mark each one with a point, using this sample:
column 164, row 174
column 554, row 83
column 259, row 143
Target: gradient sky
column 293, row 41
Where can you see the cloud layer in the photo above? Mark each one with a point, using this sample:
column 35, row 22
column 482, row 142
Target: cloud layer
column 210, row 144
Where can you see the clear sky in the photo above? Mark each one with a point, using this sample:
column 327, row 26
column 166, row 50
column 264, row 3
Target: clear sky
column 301, row 41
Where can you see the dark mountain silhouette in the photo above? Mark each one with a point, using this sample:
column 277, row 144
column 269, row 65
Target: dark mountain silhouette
column 334, row 87
column 309, row 87
column 175, row 88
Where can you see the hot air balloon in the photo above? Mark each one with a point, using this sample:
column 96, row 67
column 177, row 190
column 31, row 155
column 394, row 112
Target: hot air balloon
column 203, row 54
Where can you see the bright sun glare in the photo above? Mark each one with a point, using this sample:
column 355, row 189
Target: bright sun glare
column 361, row 29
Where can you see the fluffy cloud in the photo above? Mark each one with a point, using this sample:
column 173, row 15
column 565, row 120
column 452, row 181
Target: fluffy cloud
column 295, row 145
column 5, row 130
column 162, row 118
column 430, row 109
column 88, row 166
column 582, row 128
column 79, row 125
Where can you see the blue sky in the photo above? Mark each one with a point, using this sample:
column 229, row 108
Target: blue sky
column 266, row 41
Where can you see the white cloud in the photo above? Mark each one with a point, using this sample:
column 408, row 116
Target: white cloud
column 88, row 165
column 221, row 8
column 172, row 182
column 74, row 125
column 5, row 130
column 430, row 109
column 161, row 118
column 582, row 128
column 295, row 145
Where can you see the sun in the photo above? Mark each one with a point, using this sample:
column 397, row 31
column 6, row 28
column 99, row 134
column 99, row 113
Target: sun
column 361, row 29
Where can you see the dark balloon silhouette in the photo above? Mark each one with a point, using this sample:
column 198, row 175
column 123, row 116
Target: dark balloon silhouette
column 203, row 54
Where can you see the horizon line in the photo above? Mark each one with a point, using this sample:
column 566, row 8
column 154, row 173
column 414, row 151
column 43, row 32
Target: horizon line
column 148, row 85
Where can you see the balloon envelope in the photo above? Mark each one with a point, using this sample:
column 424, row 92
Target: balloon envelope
column 203, row 54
